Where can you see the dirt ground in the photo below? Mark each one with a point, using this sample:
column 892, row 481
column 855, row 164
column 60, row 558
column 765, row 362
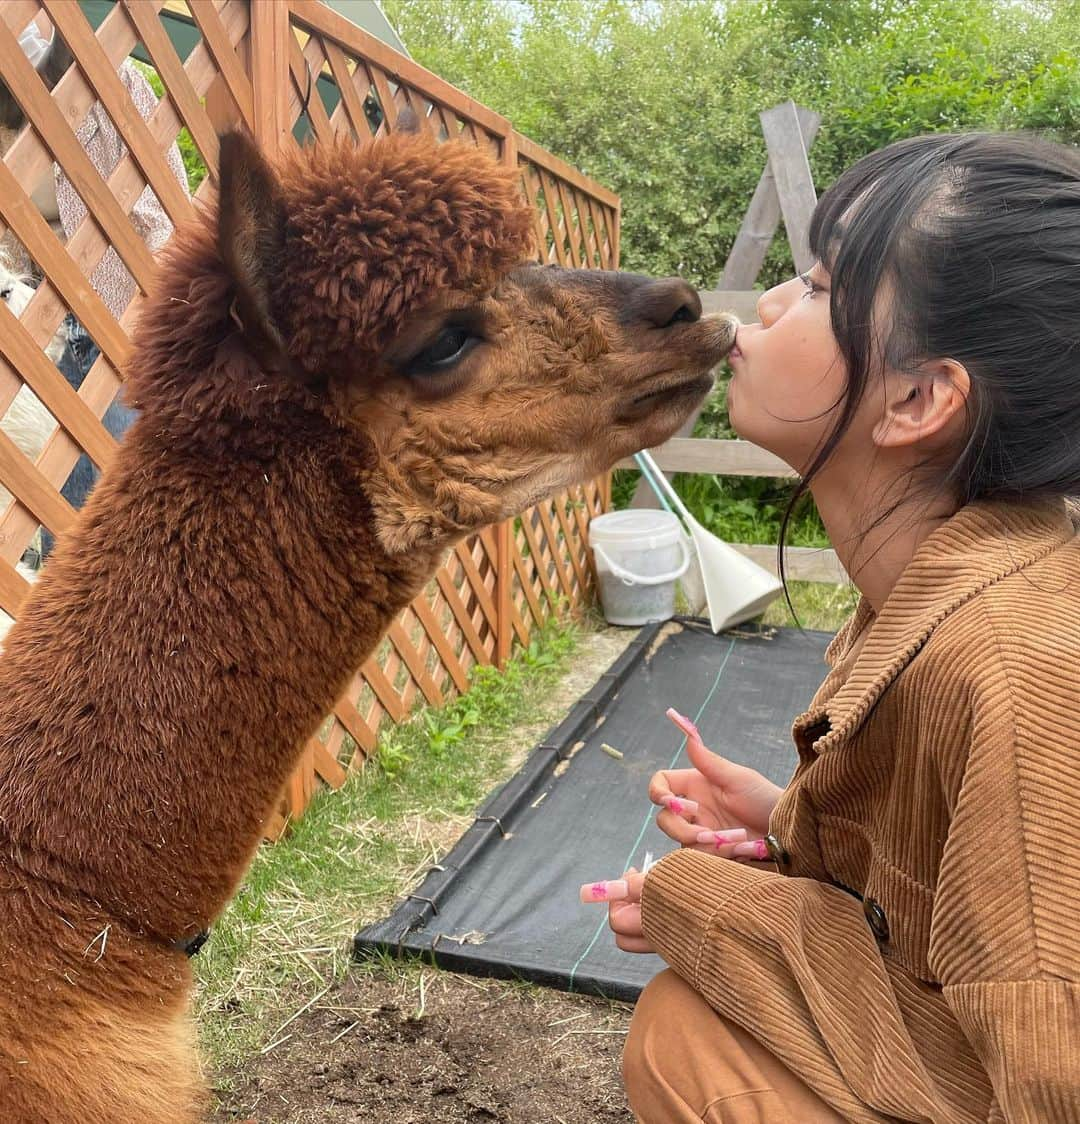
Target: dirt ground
column 410, row 1047
column 438, row 1048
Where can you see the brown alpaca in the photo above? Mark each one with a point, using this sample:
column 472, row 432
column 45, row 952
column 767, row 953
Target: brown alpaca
column 343, row 371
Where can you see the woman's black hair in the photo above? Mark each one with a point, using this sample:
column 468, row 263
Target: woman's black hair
column 52, row 70
column 975, row 241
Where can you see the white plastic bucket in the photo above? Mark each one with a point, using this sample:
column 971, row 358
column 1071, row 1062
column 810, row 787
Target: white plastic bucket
column 640, row 555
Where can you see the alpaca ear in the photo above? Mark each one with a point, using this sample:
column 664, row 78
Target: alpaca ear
column 251, row 235
column 408, row 122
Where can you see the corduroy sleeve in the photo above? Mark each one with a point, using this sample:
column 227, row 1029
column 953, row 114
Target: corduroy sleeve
column 794, row 962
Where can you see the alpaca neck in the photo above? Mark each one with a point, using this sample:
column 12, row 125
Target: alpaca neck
column 182, row 645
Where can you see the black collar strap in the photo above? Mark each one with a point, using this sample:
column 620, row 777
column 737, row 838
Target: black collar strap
column 191, row 945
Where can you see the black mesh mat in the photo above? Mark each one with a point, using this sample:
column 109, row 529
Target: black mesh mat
column 504, row 902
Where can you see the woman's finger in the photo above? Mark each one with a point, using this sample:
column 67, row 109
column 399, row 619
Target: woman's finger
column 633, row 944
column 671, row 782
column 675, row 827
column 625, row 919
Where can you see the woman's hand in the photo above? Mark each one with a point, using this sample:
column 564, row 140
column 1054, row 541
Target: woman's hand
column 716, row 806
column 623, row 896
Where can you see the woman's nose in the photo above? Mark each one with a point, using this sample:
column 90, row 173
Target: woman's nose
column 772, row 303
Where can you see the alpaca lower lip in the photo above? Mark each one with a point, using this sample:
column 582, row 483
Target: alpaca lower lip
column 671, row 394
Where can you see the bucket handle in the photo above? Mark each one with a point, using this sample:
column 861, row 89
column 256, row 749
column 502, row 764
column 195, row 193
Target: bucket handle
column 629, row 578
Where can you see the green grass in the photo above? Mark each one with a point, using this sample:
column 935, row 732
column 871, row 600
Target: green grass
column 286, row 935
column 817, row 606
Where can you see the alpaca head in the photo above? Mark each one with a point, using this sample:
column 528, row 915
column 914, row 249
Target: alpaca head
column 393, row 281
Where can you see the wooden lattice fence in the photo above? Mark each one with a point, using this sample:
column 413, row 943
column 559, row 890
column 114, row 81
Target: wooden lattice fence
column 288, row 70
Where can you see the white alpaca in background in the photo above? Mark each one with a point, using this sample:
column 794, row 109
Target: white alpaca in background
column 26, row 422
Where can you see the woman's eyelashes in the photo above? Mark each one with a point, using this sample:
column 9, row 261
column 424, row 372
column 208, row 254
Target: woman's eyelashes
column 812, row 286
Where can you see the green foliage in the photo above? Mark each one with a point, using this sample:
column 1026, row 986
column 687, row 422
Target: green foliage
column 194, row 165
column 660, row 101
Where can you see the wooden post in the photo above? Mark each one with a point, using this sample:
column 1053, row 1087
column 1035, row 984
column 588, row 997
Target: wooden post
column 270, row 75
column 791, row 171
column 504, row 576
column 762, row 217
column 785, row 188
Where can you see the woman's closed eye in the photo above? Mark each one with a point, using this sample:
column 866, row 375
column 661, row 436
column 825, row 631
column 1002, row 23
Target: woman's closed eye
column 812, row 286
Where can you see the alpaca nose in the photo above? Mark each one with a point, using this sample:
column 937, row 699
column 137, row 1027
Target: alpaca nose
column 667, row 301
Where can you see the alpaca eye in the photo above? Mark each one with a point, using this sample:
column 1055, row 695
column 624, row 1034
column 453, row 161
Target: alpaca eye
column 450, row 345
column 4, row 294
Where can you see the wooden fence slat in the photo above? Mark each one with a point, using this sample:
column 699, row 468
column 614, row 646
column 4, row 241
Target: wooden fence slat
column 762, row 218
column 553, row 218
column 453, row 599
column 350, row 99
column 553, row 547
column 31, row 490
column 27, row 224
column 18, row 526
column 54, row 130
column 386, row 98
column 184, row 96
column 303, row 71
column 531, row 151
column 569, row 215
column 476, row 582
column 13, row 589
column 53, row 389
column 433, row 627
column 350, row 718
column 324, row 20
column 568, row 538
column 404, row 646
column 271, row 43
column 232, row 72
column 794, row 183
column 326, row 764
column 79, row 36
column 525, row 580
column 722, row 458
column 538, row 555
column 383, row 689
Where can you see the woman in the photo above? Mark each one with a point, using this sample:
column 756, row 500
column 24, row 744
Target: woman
column 897, row 939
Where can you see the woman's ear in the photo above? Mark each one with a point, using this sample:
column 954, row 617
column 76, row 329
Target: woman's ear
column 251, row 234
column 922, row 403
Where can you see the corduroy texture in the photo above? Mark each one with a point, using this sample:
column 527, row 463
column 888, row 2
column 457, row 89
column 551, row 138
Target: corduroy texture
column 944, row 789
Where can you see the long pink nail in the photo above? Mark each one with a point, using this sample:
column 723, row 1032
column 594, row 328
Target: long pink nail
column 757, row 849
column 680, row 805
column 684, row 723
column 613, row 891
column 720, row 839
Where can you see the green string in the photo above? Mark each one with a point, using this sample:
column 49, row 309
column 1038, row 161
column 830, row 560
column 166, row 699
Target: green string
column 648, row 815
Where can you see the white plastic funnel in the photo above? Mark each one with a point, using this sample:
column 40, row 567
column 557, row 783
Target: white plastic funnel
column 736, row 589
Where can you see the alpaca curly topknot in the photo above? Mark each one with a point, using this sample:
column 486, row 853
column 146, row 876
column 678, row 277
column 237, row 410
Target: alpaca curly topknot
column 372, row 235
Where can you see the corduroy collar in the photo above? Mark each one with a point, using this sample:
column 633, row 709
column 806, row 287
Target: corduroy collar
column 978, row 546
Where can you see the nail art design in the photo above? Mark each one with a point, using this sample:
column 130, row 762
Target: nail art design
column 720, row 839
column 680, row 805
column 611, row 891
